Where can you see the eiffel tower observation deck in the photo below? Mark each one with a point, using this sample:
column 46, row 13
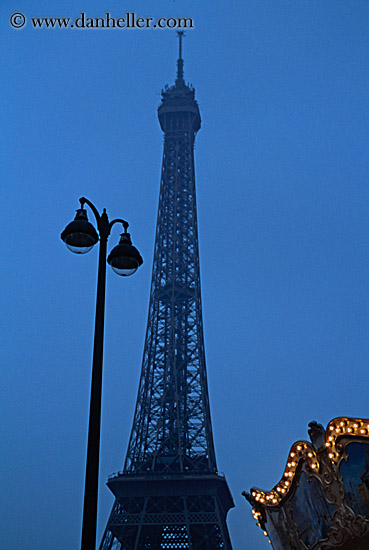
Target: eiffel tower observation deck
column 170, row 494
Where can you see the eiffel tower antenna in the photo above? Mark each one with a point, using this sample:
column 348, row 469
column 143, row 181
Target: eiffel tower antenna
column 180, row 79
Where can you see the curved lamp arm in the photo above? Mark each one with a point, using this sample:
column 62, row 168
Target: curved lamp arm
column 84, row 201
column 102, row 220
column 119, row 220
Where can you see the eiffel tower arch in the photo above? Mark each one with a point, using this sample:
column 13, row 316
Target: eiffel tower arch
column 170, row 494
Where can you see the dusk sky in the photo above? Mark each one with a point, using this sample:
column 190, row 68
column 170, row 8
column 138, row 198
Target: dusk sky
column 282, row 190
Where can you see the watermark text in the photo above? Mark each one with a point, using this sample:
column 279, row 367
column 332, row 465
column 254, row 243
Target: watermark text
column 129, row 21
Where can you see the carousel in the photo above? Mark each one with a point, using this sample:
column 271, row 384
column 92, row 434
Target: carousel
column 322, row 500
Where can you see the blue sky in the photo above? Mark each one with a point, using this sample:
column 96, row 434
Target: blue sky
column 282, row 189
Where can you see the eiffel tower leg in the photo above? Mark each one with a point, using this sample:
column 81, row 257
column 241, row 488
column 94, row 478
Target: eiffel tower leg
column 108, row 541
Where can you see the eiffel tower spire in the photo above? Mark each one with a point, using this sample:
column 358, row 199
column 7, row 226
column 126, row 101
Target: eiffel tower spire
column 170, row 494
column 180, row 79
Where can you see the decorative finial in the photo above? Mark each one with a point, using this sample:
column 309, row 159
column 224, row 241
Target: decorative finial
column 180, row 80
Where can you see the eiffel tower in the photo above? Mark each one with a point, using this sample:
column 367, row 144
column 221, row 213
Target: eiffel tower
column 170, row 494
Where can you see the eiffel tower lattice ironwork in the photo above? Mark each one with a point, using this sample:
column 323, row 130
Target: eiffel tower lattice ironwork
column 170, row 494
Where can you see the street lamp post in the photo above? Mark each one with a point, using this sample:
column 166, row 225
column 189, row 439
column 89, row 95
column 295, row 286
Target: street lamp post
column 80, row 236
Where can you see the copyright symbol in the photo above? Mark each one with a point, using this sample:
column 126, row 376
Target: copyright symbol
column 17, row 20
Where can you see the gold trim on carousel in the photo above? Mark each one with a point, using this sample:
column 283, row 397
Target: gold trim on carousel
column 339, row 427
column 301, row 450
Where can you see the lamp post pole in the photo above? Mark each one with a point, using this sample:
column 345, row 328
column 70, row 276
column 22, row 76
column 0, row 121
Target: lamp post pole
column 89, row 521
column 80, row 236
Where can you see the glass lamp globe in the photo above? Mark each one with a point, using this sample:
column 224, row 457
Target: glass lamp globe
column 124, row 258
column 80, row 236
